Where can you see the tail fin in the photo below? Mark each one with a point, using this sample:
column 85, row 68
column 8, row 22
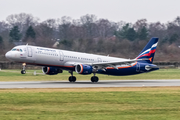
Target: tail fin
column 149, row 51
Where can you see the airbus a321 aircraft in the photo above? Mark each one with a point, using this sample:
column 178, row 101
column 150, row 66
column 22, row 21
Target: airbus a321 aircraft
column 54, row 61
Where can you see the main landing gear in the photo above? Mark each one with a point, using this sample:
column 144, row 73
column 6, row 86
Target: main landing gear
column 72, row 78
column 94, row 78
column 23, row 71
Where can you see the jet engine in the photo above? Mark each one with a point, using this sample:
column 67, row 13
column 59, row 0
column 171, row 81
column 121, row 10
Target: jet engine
column 83, row 69
column 51, row 70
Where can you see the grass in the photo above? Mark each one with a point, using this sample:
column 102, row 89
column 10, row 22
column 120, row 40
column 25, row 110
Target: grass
column 92, row 103
column 14, row 75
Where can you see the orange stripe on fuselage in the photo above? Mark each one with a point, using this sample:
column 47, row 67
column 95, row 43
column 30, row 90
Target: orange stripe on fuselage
column 121, row 67
column 80, row 64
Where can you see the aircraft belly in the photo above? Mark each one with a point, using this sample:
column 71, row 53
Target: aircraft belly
column 120, row 72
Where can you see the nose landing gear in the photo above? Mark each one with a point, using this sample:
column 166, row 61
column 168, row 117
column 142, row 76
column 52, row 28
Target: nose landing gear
column 23, row 71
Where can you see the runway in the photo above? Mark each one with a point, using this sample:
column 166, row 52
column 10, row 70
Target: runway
column 88, row 84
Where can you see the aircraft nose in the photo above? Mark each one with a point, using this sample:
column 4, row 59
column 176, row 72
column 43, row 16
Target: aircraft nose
column 8, row 55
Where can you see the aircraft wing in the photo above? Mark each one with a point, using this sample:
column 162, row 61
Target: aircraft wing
column 102, row 65
column 114, row 63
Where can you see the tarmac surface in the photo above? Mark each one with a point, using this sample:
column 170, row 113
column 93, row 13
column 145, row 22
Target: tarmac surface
column 89, row 84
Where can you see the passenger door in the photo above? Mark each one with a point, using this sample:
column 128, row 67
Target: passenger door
column 30, row 56
column 30, row 52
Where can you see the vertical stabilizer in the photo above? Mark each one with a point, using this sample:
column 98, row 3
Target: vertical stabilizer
column 149, row 50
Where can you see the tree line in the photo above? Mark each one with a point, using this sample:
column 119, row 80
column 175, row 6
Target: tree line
column 92, row 35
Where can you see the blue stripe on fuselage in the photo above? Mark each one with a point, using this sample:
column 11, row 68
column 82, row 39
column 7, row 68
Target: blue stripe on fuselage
column 137, row 69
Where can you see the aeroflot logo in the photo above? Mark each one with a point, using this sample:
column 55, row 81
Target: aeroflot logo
column 150, row 59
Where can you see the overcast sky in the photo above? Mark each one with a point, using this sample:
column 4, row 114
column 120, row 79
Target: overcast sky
column 114, row 10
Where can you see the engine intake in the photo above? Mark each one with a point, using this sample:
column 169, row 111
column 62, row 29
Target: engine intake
column 83, row 69
column 51, row 70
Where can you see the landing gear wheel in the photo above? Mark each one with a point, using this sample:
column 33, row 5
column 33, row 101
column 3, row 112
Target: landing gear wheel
column 72, row 79
column 94, row 79
column 23, row 72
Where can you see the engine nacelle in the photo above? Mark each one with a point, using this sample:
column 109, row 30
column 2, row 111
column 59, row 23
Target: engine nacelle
column 51, row 70
column 83, row 69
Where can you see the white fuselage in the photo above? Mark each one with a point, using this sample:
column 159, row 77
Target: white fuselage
column 54, row 57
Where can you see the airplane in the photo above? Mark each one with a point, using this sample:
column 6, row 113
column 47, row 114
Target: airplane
column 54, row 61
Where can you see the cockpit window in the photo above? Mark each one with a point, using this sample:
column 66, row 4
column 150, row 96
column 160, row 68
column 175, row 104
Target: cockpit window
column 19, row 50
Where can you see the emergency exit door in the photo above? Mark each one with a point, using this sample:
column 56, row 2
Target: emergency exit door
column 61, row 56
